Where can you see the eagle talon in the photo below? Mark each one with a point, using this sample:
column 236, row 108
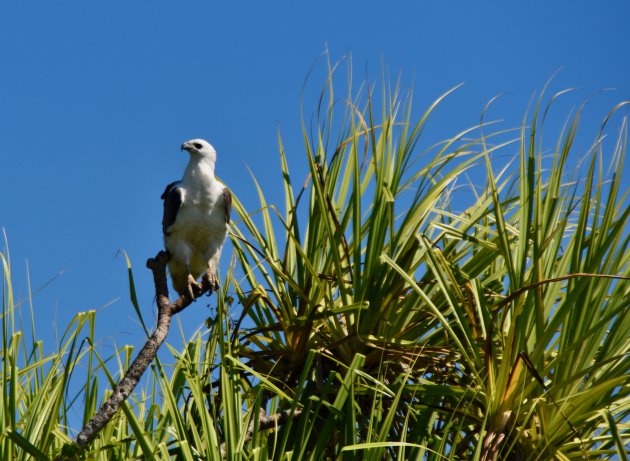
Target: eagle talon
column 194, row 288
column 211, row 281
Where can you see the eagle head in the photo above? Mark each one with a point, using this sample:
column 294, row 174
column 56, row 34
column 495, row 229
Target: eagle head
column 200, row 147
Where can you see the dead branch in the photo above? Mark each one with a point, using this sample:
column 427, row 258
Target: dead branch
column 265, row 422
column 166, row 310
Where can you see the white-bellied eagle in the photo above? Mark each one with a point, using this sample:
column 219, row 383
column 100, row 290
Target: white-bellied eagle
column 196, row 216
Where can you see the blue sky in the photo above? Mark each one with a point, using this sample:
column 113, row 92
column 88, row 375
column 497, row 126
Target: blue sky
column 96, row 98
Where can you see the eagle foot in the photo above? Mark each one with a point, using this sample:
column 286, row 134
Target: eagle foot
column 209, row 279
column 194, row 289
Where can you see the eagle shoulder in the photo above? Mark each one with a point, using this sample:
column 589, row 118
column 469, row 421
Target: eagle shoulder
column 227, row 200
column 173, row 197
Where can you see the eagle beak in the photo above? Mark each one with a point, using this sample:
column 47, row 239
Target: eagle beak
column 185, row 146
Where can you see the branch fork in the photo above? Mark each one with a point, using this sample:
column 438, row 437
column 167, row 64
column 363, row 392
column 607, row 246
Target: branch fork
column 166, row 311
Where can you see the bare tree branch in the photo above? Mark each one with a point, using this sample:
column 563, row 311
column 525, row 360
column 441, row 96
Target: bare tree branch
column 166, row 310
column 265, row 422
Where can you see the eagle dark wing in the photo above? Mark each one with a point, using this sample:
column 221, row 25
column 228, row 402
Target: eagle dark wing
column 173, row 198
column 227, row 199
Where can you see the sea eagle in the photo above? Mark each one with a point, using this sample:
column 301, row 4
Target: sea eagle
column 195, row 221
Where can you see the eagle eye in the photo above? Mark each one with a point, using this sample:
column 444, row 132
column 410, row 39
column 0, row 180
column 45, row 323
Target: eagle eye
column 197, row 145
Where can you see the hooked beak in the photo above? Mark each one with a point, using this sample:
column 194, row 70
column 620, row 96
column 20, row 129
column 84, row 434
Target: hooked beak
column 185, row 146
